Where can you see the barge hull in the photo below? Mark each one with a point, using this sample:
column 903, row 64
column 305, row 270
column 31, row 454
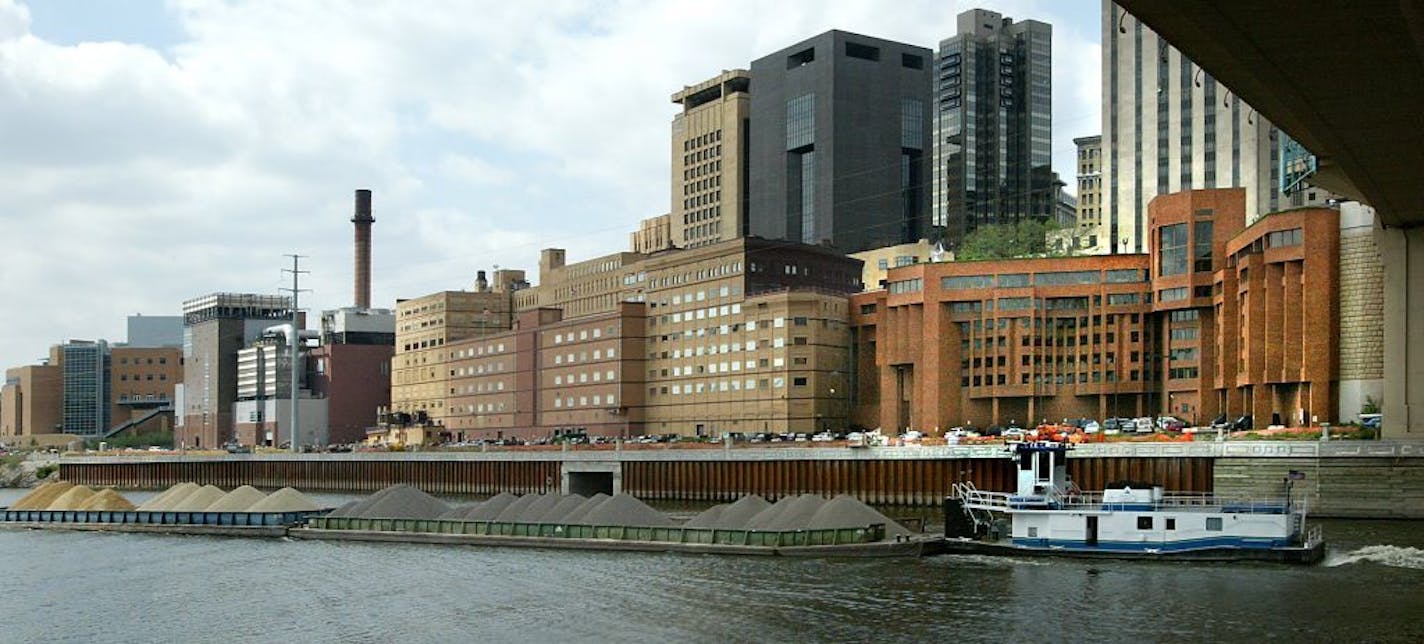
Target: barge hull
column 902, row 548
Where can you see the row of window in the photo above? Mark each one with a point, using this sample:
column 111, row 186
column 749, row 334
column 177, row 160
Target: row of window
column 147, row 377
column 595, row 400
column 582, row 356
column 143, row 361
column 700, row 140
column 721, row 386
column 584, row 377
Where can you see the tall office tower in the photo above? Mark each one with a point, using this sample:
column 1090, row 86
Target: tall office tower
column 215, row 327
column 993, row 124
column 1169, row 126
column 86, row 387
column 1090, row 189
column 842, row 132
column 709, row 160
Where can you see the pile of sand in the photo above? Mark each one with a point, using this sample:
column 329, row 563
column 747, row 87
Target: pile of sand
column 72, row 498
column 515, row 509
column 237, row 500
column 198, row 501
column 730, row 516
column 557, row 513
column 42, row 496
column 491, row 507
column 542, row 504
column 344, row 510
column 398, row 502
column 846, row 511
column 284, row 500
column 576, row 515
column 766, row 518
column 625, row 510
column 107, row 499
column 169, row 496
column 458, row 512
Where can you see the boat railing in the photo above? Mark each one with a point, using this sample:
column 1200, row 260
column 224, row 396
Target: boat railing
column 1202, row 501
column 976, row 498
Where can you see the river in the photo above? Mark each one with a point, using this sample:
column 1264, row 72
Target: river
column 98, row 587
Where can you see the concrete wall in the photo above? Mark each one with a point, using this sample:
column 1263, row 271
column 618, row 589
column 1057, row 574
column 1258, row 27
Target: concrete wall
column 1375, row 488
column 1402, row 252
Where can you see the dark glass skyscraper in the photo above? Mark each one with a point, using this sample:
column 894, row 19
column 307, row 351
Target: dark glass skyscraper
column 839, row 139
column 993, row 124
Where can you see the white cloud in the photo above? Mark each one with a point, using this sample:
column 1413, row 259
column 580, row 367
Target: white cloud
column 133, row 177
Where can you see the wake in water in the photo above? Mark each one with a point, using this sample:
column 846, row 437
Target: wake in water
column 1393, row 556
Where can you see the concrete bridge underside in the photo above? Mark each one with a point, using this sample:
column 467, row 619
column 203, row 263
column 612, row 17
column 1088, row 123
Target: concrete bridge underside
column 1346, row 80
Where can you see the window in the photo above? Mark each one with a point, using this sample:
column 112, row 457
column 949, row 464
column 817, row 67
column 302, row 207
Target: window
column 1280, row 238
column 912, row 61
column 1144, row 523
column 803, row 57
column 1171, row 523
column 863, row 52
column 966, row 281
column 1201, row 247
column 1172, row 241
column 798, row 382
column 1213, row 524
column 1172, row 294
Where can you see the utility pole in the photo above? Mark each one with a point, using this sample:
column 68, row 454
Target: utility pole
column 295, row 341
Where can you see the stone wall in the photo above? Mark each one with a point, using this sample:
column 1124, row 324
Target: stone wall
column 1367, row 488
column 1361, row 311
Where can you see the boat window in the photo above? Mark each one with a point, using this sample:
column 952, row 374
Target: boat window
column 1213, row 524
column 1171, row 523
column 1033, row 532
column 1144, row 523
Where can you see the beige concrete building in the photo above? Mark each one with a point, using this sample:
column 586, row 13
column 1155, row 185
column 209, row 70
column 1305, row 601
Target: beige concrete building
column 709, row 160
column 653, row 234
column 745, row 335
column 586, row 288
column 420, row 372
column 1090, row 191
column 879, row 261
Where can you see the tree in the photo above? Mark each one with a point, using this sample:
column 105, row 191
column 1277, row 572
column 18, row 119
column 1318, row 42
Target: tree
column 1027, row 238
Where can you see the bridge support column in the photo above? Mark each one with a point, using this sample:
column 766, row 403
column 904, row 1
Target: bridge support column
column 1402, row 251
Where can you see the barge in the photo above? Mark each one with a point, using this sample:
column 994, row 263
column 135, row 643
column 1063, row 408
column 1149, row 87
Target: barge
column 1049, row 516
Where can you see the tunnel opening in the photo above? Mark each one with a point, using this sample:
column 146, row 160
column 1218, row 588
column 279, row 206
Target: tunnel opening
column 591, row 483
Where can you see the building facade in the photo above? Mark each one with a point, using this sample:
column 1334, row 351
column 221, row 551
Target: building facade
column 993, row 125
column 87, row 390
column 30, row 402
column 215, row 327
column 710, row 137
column 424, row 325
column 1090, row 190
column 877, row 262
column 143, row 383
column 653, row 234
column 1168, row 126
column 351, row 370
column 1217, row 319
column 841, row 150
column 739, row 336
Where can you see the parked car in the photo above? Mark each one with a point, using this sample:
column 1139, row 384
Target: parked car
column 1014, row 434
column 1144, row 425
column 1091, row 427
column 1241, row 424
column 1170, row 423
column 823, row 437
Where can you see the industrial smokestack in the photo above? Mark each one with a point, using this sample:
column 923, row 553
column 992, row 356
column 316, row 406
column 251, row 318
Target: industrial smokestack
column 363, row 221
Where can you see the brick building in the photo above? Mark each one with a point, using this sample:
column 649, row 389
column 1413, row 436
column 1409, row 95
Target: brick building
column 742, row 335
column 1216, row 319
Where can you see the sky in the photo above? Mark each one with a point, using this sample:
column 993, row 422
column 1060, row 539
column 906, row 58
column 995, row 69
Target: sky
column 153, row 152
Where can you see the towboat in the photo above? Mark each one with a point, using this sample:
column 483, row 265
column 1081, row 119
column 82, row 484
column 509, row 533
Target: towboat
column 1048, row 515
